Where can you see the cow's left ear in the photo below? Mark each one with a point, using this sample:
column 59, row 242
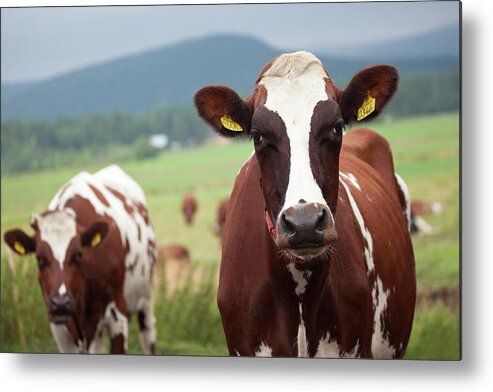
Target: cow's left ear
column 95, row 234
column 224, row 110
column 368, row 93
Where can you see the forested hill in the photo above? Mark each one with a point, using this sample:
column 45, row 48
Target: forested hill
column 171, row 75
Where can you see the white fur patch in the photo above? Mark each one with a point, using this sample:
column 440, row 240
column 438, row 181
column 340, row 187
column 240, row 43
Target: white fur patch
column 263, row 350
column 300, row 278
column 302, row 341
column 295, row 83
column 364, row 231
column 63, row 339
column 246, row 163
column 116, row 322
column 405, row 190
column 351, row 178
column 380, row 346
column 422, row 226
column 62, row 289
column 329, row 348
column 57, row 229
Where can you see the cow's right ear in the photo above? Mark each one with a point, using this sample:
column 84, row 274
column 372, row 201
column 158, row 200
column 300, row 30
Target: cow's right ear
column 19, row 242
column 224, row 110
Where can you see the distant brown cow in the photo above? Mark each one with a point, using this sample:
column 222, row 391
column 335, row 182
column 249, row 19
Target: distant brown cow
column 222, row 209
column 189, row 208
column 175, row 252
column 173, row 266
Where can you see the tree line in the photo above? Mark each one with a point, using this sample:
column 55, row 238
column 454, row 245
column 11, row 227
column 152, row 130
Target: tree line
column 29, row 145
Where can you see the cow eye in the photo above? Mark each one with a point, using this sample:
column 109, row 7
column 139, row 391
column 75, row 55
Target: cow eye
column 339, row 128
column 41, row 262
column 76, row 259
column 257, row 137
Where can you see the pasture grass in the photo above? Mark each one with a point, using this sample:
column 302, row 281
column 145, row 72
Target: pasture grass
column 426, row 155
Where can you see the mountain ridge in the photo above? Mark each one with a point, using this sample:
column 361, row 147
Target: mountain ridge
column 170, row 74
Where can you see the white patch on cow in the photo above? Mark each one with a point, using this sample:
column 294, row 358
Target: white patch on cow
column 97, row 345
column 295, row 83
column 302, row 342
column 116, row 322
column 405, row 190
column 62, row 289
column 246, row 163
column 147, row 337
column 263, row 350
column 351, row 178
column 237, row 353
column 353, row 353
column 63, row 339
column 138, row 261
column 57, row 229
column 364, row 231
column 300, row 278
column 436, row 207
column 380, row 346
column 329, row 348
column 422, row 226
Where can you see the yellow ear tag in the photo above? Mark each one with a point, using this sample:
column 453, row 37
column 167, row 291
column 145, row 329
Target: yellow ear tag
column 367, row 107
column 96, row 240
column 230, row 124
column 19, row 248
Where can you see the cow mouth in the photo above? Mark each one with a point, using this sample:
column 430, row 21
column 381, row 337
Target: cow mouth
column 61, row 317
column 307, row 257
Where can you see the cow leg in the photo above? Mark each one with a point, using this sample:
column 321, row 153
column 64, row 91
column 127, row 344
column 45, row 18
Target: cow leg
column 147, row 328
column 117, row 323
column 97, row 344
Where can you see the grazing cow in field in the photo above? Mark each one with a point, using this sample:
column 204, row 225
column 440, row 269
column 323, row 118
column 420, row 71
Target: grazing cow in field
column 95, row 247
column 317, row 258
column 221, row 217
column 173, row 266
column 189, row 208
column 421, row 207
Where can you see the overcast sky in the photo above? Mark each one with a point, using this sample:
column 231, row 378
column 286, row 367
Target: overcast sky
column 42, row 42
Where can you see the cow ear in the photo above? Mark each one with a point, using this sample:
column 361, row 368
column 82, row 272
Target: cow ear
column 224, row 110
column 19, row 242
column 368, row 93
column 94, row 235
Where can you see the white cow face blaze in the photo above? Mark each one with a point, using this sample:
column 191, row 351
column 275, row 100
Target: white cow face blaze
column 289, row 130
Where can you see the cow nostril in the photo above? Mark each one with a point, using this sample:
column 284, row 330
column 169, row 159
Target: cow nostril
column 288, row 226
column 61, row 301
column 322, row 221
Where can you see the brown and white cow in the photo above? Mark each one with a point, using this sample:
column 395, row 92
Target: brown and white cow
column 189, row 208
column 317, row 258
column 95, row 248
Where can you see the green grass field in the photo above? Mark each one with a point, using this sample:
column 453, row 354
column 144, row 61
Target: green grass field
column 426, row 155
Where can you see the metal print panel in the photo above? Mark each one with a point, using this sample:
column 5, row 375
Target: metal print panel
column 245, row 180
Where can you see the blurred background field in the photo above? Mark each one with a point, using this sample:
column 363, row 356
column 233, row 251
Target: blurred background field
column 426, row 153
column 76, row 99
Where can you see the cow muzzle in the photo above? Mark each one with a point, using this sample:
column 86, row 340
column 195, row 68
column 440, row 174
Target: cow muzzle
column 306, row 232
column 60, row 309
